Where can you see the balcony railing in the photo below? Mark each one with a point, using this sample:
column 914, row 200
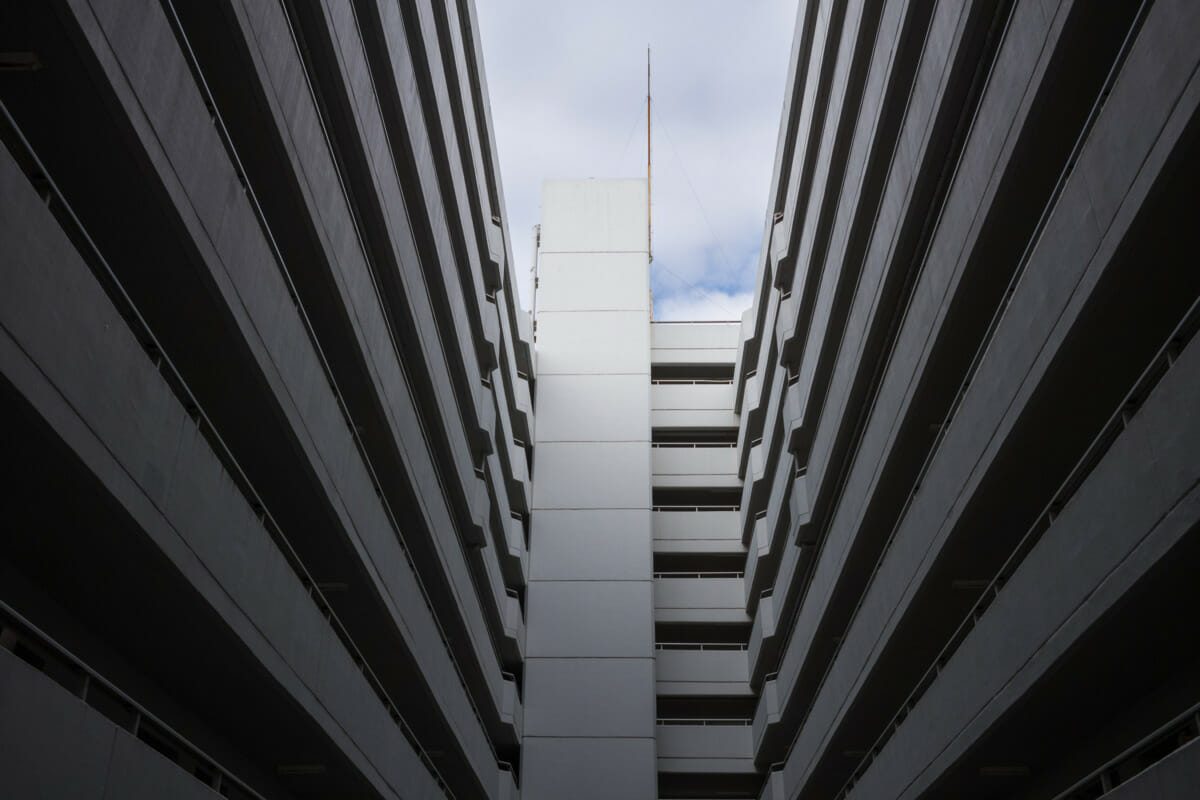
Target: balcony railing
column 694, row 508
column 694, row 444
column 1137, row 759
column 700, row 646
column 37, row 649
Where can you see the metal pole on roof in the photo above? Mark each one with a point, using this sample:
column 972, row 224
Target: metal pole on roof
column 649, row 250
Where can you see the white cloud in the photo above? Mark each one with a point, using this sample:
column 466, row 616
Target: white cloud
column 702, row 304
column 568, row 97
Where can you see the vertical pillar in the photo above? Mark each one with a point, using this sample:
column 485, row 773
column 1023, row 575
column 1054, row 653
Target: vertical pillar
column 589, row 669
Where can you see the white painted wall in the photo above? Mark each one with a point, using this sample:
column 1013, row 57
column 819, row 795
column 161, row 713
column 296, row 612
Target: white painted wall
column 589, row 685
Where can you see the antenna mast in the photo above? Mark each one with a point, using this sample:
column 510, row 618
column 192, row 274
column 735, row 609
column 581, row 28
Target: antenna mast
column 649, row 251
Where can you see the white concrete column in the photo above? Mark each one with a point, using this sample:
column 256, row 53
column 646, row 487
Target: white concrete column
column 589, row 669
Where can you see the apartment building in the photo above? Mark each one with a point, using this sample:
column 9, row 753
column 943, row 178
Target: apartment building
column 267, row 405
column 280, row 521
column 968, row 404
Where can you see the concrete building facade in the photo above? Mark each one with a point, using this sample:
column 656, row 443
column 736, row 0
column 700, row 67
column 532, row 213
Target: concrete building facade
column 267, row 405
column 281, row 522
column 968, row 396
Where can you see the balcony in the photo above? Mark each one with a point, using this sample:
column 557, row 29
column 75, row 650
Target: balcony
column 752, row 499
column 785, row 329
column 513, row 644
column 692, row 404
column 704, row 746
column 507, row 786
column 522, row 415
column 515, row 541
column 520, row 492
column 794, row 401
column 699, row 597
column 767, row 534
column 701, row 465
column 750, row 421
column 696, row 531
column 764, row 644
column 759, row 548
column 692, row 395
column 694, row 342
column 702, row 668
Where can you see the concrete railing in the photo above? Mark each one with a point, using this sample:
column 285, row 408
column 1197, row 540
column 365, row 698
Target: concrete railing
column 710, row 467
column 717, row 670
column 717, row 599
column 710, row 525
column 704, row 745
column 687, row 394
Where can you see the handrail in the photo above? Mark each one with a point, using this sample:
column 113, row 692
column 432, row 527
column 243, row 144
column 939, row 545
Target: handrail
column 1187, row 725
column 695, row 445
column 712, row 722
column 693, row 508
column 690, row 381
column 92, row 678
column 1116, row 424
column 693, row 575
column 701, row 646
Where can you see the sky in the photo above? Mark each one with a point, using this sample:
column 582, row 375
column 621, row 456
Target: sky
column 567, row 83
